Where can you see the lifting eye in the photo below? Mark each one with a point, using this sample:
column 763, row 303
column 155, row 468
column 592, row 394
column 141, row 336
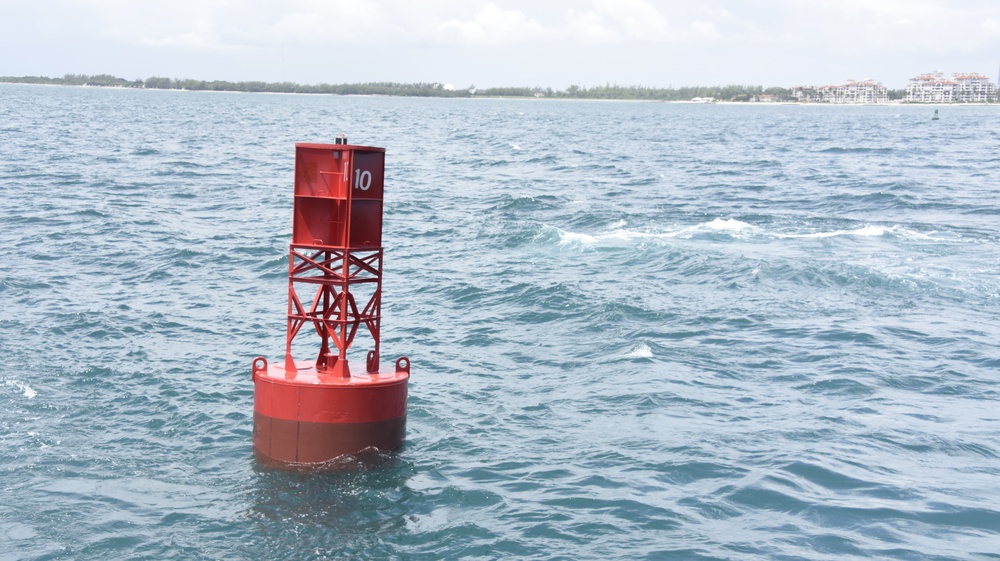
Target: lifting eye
column 403, row 364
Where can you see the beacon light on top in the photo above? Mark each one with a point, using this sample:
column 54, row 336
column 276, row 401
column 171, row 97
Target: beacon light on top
column 312, row 411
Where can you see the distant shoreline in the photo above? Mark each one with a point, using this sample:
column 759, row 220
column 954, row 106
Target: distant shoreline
column 734, row 92
column 724, row 95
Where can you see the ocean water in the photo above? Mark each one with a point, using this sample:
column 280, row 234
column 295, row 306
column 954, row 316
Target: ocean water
column 638, row 330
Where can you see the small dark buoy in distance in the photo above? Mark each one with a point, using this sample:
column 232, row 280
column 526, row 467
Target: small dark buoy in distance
column 935, row 117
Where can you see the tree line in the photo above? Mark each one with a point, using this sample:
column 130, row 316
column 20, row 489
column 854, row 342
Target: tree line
column 735, row 92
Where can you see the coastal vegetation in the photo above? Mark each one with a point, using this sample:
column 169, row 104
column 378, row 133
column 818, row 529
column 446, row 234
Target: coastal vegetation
column 735, row 92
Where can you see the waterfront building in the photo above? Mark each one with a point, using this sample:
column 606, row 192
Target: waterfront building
column 961, row 87
column 853, row 92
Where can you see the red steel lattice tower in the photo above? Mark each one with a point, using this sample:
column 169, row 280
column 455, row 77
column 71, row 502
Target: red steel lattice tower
column 315, row 411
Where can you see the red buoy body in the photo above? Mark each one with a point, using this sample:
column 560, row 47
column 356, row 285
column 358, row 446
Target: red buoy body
column 307, row 416
column 315, row 411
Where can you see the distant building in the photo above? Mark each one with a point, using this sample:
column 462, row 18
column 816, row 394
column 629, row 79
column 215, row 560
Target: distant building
column 856, row 92
column 933, row 87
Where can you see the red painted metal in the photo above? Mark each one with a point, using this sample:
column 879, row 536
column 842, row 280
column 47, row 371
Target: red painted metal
column 308, row 412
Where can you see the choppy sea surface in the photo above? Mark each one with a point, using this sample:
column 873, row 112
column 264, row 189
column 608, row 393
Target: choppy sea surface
column 638, row 330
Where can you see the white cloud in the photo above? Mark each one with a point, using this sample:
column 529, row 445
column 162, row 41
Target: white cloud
column 493, row 25
column 618, row 20
column 228, row 25
column 638, row 19
column 337, row 21
column 202, row 36
column 860, row 29
column 182, row 22
column 190, row 39
column 719, row 13
column 589, row 27
column 705, row 29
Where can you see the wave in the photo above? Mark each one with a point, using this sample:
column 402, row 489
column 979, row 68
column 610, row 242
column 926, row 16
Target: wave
column 871, row 231
column 641, row 351
column 617, row 233
column 719, row 229
column 864, row 231
column 523, row 203
column 25, row 390
column 856, row 150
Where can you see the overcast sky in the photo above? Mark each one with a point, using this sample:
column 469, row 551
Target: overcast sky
column 548, row 43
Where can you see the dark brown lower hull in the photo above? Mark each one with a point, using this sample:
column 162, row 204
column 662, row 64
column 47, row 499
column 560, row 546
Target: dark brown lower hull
column 292, row 442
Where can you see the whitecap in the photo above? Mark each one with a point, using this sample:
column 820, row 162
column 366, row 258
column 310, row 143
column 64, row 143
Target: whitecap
column 865, row 231
column 621, row 234
column 932, row 236
column 641, row 351
column 552, row 234
column 25, row 389
column 617, row 232
column 815, row 234
column 871, row 231
column 573, row 238
column 730, row 224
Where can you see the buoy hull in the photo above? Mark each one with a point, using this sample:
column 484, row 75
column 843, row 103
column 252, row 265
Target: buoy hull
column 307, row 417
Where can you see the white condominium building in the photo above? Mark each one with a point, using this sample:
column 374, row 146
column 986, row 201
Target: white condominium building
column 933, row 87
column 862, row 92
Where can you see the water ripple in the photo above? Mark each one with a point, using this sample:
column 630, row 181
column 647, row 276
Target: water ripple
column 720, row 332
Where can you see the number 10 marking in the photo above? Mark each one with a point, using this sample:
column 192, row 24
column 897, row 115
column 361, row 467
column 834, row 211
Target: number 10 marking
column 362, row 179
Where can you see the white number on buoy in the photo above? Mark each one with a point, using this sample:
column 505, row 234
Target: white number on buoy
column 362, row 179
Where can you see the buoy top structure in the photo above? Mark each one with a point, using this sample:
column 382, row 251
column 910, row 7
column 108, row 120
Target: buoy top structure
column 314, row 411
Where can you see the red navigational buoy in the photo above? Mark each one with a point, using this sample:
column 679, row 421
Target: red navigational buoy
column 314, row 411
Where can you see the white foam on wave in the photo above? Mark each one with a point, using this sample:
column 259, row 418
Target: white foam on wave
column 20, row 386
column 729, row 225
column 641, row 351
column 743, row 230
column 873, row 231
column 573, row 238
column 617, row 232
column 866, row 231
column 869, row 231
column 566, row 238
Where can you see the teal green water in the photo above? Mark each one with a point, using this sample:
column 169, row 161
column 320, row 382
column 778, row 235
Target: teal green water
column 638, row 330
